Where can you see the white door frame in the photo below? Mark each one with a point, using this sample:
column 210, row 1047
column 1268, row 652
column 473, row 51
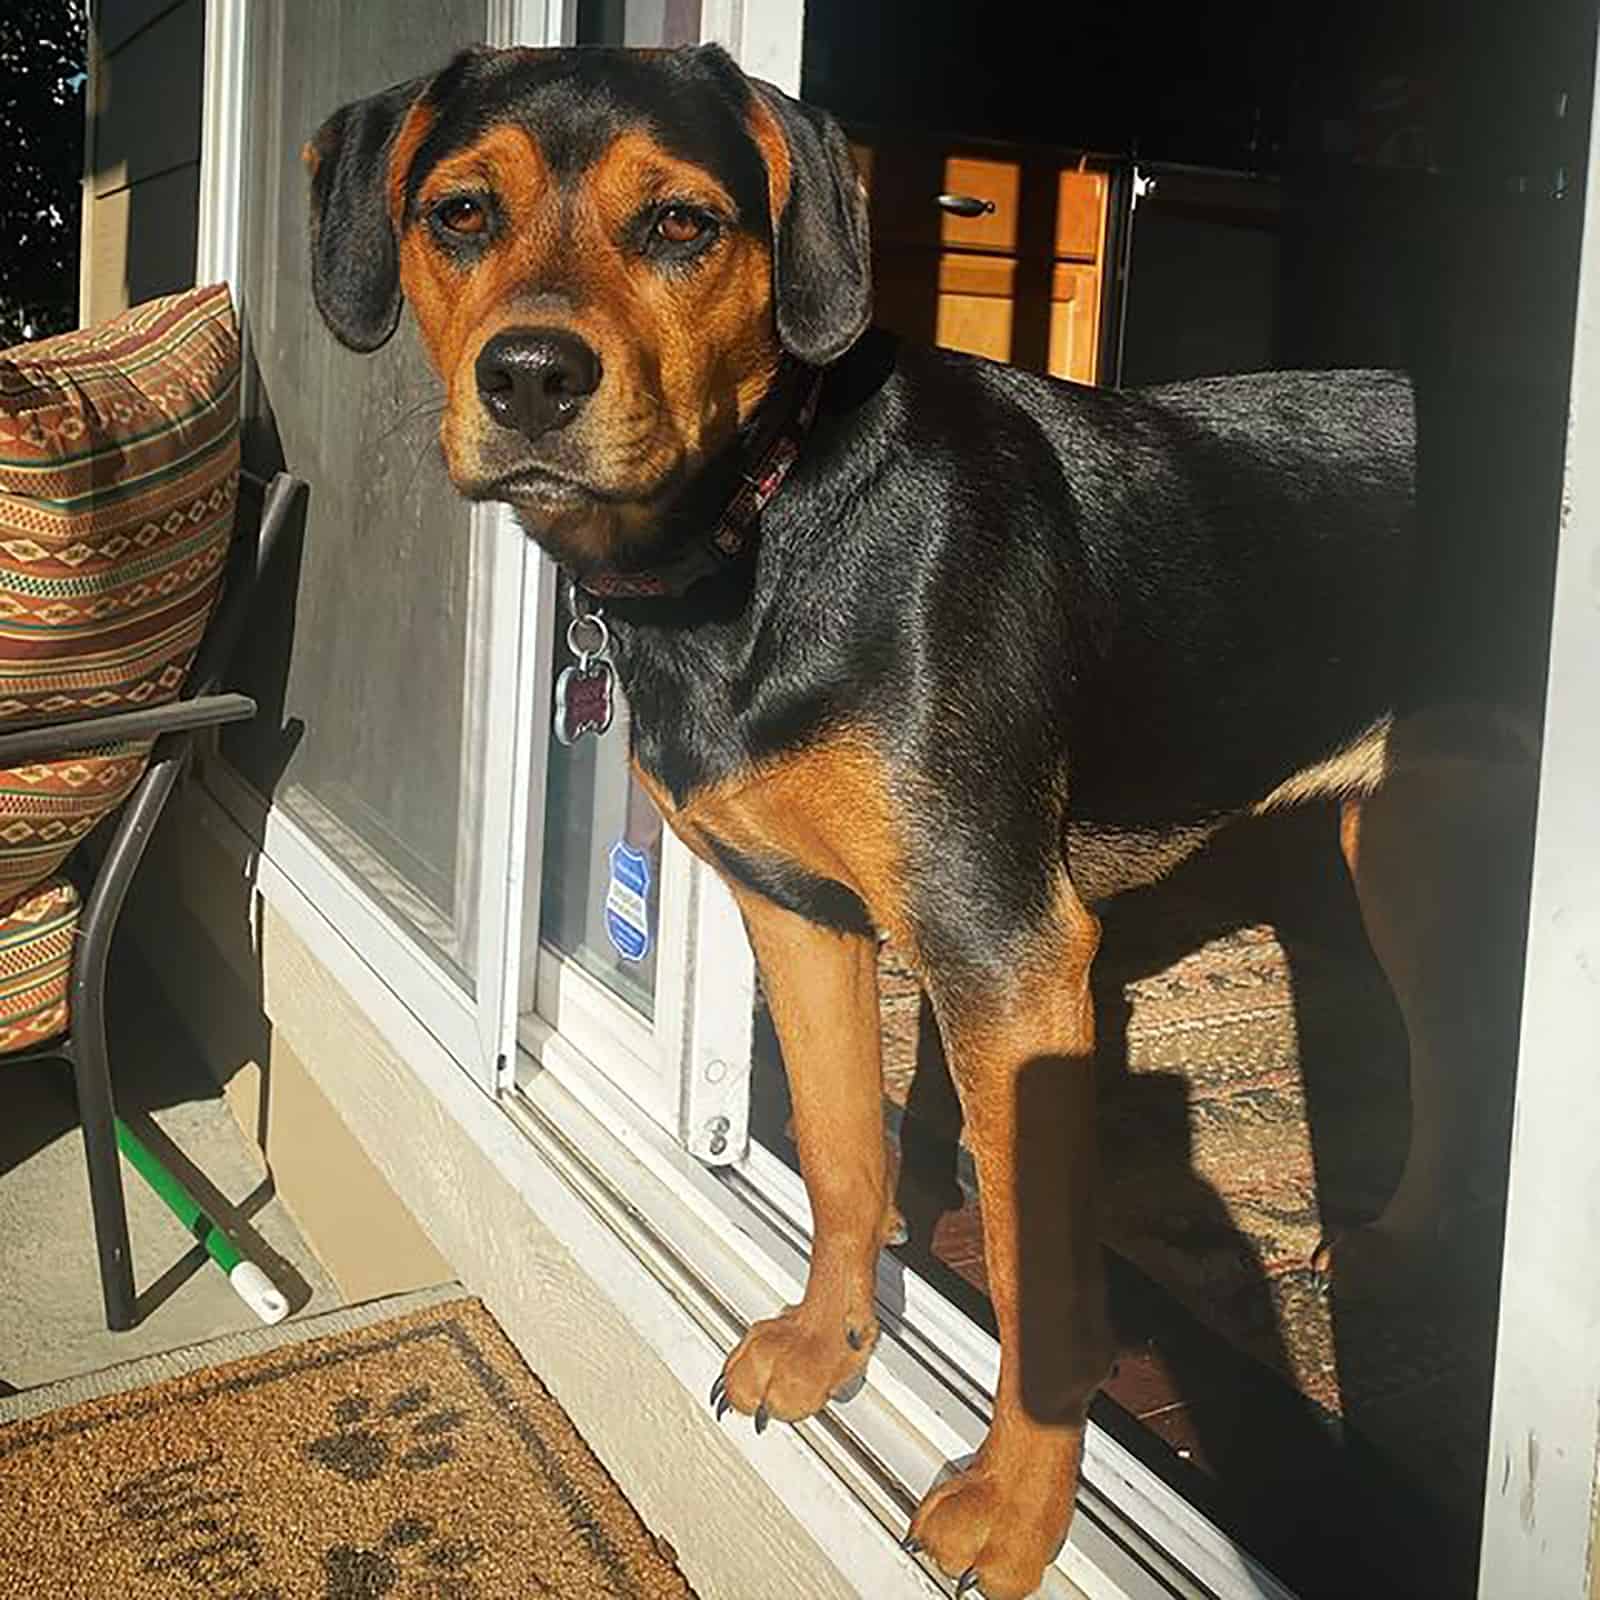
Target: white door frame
column 766, row 37
column 1544, row 1446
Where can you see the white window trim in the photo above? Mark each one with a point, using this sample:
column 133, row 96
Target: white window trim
column 219, row 236
column 766, row 37
column 687, row 1068
column 506, row 682
column 582, row 1009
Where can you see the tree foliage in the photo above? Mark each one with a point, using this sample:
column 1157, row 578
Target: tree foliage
column 42, row 75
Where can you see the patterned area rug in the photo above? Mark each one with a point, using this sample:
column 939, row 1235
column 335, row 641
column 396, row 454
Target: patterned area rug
column 1253, row 1090
column 412, row 1458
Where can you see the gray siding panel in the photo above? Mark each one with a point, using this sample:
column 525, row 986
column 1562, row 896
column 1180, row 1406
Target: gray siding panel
column 148, row 100
column 142, row 190
column 116, row 21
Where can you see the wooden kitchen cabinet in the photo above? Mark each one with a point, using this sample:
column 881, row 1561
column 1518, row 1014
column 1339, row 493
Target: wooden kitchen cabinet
column 1020, row 282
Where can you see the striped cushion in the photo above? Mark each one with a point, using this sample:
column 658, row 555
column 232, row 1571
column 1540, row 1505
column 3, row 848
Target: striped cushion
column 36, row 964
column 119, row 467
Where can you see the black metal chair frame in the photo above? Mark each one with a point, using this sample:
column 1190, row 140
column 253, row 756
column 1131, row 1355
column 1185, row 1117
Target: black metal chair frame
column 173, row 726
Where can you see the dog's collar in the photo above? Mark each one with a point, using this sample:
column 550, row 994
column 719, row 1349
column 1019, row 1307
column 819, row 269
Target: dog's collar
column 772, row 450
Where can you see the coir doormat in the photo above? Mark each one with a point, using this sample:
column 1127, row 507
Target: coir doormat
column 411, row 1458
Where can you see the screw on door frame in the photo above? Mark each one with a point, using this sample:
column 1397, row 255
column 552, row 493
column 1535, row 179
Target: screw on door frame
column 718, row 1127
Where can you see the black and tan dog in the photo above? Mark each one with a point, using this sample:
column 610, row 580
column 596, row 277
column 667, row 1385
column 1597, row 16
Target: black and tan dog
column 999, row 648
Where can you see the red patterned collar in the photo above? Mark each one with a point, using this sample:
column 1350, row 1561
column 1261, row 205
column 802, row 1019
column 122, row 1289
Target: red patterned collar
column 775, row 450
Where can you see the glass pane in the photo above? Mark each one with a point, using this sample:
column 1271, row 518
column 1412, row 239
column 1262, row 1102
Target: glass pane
column 600, row 900
column 364, row 672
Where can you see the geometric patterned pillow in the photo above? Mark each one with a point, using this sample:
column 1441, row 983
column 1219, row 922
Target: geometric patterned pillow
column 119, row 473
column 119, row 469
column 36, row 964
column 46, row 807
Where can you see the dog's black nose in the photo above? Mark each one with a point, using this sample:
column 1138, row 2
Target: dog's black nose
column 536, row 379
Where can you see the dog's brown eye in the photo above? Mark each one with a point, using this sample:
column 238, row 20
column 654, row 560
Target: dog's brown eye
column 680, row 225
column 462, row 215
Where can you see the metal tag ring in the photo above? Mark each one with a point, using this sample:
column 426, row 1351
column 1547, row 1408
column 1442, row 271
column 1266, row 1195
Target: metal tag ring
column 602, row 634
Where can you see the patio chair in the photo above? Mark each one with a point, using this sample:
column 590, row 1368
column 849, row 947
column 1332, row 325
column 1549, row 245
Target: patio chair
column 119, row 497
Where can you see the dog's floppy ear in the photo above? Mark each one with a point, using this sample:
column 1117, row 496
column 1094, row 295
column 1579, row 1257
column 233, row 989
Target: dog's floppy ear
column 355, row 255
column 822, row 243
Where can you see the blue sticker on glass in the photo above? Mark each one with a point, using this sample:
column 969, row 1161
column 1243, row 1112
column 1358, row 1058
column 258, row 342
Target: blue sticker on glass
column 627, row 903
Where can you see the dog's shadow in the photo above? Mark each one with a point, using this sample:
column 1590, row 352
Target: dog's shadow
column 1284, row 1406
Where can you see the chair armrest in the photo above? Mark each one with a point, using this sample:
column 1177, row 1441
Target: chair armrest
column 201, row 707
column 178, row 716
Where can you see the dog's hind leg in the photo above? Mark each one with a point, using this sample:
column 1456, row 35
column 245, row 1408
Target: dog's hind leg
column 1440, row 856
column 1020, row 1039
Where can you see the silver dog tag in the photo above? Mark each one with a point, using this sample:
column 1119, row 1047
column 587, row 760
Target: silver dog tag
column 584, row 700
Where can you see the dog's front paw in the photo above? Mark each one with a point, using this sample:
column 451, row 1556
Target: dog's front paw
column 790, row 1365
column 998, row 1525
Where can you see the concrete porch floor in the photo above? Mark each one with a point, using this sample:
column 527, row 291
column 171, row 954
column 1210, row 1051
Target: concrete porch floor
column 52, row 1324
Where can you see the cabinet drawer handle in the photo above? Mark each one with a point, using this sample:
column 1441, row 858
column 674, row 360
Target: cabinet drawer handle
column 965, row 205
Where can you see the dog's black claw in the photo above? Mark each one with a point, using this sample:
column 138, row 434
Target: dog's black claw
column 1322, row 1268
column 967, row 1582
column 911, row 1544
column 724, row 1406
column 717, row 1389
column 763, row 1417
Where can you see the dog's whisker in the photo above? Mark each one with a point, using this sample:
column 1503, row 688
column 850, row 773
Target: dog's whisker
column 428, row 410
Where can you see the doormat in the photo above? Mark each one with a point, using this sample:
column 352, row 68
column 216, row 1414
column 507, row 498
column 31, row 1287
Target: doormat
column 416, row 1458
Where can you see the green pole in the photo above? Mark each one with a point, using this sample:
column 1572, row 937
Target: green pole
column 249, row 1282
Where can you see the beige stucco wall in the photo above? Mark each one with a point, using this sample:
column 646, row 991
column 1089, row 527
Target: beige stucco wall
column 369, row 1241
column 189, row 914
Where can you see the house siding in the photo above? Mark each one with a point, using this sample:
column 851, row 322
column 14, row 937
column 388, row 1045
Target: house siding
column 141, row 187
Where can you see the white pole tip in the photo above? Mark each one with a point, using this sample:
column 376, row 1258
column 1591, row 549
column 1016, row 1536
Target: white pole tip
column 259, row 1292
